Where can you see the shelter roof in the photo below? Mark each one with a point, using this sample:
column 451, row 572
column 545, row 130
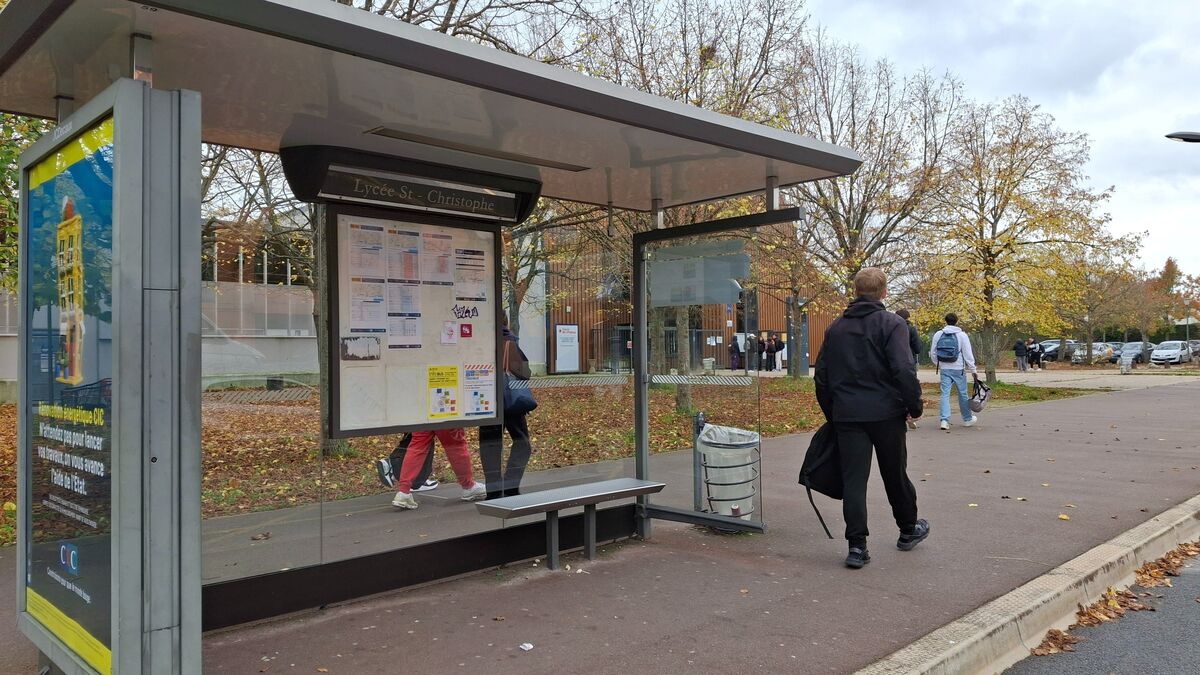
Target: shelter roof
column 280, row 73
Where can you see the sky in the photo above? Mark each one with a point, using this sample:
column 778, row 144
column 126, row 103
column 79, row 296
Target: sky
column 1125, row 73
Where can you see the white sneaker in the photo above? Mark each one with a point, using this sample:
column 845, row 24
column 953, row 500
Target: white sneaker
column 474, row 493
column 430, row 484
column 404, row 500
column 970, row 422
column 944, row 426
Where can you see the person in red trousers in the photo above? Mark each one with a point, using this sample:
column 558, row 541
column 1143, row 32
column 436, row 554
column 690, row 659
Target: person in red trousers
column 454, row 442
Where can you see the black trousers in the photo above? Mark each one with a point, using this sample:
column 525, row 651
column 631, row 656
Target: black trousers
column 491, row 454
column 855, row 440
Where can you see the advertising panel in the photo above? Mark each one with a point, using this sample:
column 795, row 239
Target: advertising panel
column 67, row 452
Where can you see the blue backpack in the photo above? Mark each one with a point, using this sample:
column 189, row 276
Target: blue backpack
column 947, row 348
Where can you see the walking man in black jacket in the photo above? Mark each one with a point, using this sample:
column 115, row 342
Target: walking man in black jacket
column 867, row 387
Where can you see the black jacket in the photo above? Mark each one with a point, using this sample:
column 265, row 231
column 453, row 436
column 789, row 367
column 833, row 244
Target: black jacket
column 865, row 368
column 1020, row 348
column 914, row 342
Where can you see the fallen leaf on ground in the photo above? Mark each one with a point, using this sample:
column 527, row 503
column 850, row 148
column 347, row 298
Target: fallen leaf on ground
column 1157, row 572
column 1069, row 506
column 1063, row 516
column 261, row 536
column 1022, row 499
column 1056, row 641
column 972, row 505
column 322, row 670
column 1045, row 485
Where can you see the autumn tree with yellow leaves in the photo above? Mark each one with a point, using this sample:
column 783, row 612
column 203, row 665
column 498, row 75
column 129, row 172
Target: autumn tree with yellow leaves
column 1001, row 228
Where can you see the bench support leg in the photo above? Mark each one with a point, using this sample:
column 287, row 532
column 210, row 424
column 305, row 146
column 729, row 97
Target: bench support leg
column 589, row 531
column 552, row 540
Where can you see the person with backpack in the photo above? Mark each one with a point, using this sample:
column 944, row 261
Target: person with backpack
column 951, row 351
column 1021, row 352
column 866, row 388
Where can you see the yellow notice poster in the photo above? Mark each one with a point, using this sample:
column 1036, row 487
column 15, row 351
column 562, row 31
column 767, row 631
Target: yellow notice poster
column 443, row 392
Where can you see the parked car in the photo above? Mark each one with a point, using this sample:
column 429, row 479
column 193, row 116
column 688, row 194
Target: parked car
column 1101, row 353
column 1050, row 349
column 1195, row 347
column 1117, row 349
column 1171, row 351
column 1138, row 349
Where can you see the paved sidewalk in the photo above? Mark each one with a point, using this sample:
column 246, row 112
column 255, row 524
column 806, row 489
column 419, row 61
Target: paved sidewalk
column 690, row 601
column 1079, row 378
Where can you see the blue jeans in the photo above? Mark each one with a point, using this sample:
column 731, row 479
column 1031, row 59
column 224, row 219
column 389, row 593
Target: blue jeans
column 958, row 379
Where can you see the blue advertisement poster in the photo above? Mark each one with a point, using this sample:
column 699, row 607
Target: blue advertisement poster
column 68, row 381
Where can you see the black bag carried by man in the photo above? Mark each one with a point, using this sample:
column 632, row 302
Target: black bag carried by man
column 979, row 396
column 822, row 469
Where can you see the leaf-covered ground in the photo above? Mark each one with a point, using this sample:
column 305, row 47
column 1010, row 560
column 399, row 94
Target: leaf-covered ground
column 260, row 456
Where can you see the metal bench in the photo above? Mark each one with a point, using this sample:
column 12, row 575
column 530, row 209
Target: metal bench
column 550, row 502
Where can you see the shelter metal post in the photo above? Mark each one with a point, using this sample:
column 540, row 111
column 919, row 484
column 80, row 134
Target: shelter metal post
column 772, row 193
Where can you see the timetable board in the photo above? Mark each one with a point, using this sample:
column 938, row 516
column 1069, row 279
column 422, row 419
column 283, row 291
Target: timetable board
column 414, row 339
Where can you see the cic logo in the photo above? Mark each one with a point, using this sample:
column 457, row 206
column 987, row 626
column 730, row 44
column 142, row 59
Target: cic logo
column 68, row 557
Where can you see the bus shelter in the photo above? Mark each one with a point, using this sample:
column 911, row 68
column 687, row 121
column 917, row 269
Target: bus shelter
column 168, row 482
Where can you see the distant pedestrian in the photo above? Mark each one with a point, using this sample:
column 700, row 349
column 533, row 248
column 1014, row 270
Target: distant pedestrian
column 1021, row 352
column 772, row 350
column 951, row 351
column 1034, row 352
column 914, row 343
column 735, row 354
column 752, row 351
column 762, row 352
column 866, row 387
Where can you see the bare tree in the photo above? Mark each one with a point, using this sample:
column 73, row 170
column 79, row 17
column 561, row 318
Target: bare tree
column 902, row 128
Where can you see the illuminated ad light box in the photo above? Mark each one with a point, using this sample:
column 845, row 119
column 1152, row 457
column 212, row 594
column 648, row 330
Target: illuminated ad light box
column 69, row 288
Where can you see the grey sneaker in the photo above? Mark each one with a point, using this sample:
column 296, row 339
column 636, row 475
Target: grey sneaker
column 857, row 558
column 908, row 542
column 404, row 500
column 474, row 493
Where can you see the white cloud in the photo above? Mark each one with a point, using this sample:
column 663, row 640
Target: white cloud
column 1121, row 72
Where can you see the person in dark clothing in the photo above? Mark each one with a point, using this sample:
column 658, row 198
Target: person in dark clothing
column 866, row 388
column 752, row 351
column 914, row 343
column 506, row 483
column 772, row 350
column 762, row 353
column 1021, row 352
column 914, row 338
column 735, row 354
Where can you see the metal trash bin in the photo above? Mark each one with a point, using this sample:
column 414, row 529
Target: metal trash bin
column 709, row 366
column 729, row 458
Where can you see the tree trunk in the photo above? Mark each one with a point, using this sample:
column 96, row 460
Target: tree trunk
column 658, row 341
column 989, row 348
column 320, row 290
column 683, row 392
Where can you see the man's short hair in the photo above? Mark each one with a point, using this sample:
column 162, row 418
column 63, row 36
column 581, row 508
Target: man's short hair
column 951, row 319
column 903, row 314
column 870, row 282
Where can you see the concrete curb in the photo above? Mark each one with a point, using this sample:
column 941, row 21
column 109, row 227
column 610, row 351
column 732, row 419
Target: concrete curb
column 1002, row 632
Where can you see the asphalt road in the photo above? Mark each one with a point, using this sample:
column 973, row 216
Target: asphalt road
column 1164, row 642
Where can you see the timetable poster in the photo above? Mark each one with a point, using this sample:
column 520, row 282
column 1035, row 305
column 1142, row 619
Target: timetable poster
column 416, row 324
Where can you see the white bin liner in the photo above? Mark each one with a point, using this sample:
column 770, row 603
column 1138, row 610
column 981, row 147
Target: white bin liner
column 730, row 461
